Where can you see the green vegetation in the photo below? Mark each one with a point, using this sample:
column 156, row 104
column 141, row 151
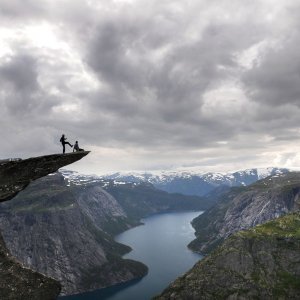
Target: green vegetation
column 116, row 226
column 283, row 227
column 285, row 182
column 47, row 194
column 259, row 263
column 41, row 201
column 207, row 224
column 143, row 199
column 106, row 241
column 114, row 265
column 286, row 281
column 280, row 188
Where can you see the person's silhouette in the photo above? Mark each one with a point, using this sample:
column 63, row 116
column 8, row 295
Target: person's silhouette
column 63, row 141
column 76, row 147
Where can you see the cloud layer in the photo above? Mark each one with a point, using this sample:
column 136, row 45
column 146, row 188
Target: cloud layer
column 152, row 84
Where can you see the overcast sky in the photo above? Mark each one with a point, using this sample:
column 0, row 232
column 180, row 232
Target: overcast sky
column 152, row 84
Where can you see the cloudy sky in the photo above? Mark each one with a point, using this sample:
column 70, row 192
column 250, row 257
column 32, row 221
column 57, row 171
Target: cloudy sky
column 152, row 84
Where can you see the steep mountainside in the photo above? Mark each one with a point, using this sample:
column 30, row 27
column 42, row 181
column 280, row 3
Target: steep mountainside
column 261, row 263
column 17, row 282
column 244, row 207
column 194, row 182
column 65, row 232
column 64, row 227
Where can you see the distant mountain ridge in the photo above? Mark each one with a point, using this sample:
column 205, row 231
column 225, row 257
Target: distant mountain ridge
column 241, row 208
column 139, row 199
column 195, row 182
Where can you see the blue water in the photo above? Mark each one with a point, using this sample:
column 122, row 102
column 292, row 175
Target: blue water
column 161, row 244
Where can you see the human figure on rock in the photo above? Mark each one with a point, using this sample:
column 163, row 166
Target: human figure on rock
column 63, row 141
column 76, row 147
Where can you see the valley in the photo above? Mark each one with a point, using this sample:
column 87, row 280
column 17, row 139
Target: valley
column 160, row 244
column 64, row 226
column 66, row 230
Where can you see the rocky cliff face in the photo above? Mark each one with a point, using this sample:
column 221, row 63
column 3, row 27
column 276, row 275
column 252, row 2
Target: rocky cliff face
column 244, row 207
column 64, row 227
column 65, row 232
column 261, row 263
column 16, row 281
column 16, row 175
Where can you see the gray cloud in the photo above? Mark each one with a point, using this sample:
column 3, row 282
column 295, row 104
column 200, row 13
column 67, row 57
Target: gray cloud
column 20, row 8
column 20, row 72
column 164, row 97
column 164, row 80
column 18, row 76
column 275, row 80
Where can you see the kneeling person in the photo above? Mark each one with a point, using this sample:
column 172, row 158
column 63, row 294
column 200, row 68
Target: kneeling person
column 76, row 147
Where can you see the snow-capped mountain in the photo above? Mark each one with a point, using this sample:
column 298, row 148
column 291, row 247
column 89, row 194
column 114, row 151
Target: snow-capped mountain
column 79, row 179
column 76, row 178
column 195, row 182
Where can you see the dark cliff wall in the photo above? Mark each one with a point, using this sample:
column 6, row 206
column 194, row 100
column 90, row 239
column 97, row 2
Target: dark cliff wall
column 19, row 283
column 16, row 281
column 58, row 230
column 16, row 175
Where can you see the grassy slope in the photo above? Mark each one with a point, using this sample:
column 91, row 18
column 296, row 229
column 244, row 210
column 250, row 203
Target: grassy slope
column 260, row 263
column 143, row 199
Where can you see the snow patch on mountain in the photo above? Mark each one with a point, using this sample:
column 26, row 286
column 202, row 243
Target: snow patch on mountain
column 193, row 182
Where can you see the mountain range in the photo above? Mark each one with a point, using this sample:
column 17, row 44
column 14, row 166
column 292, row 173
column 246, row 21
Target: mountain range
column 195, row 182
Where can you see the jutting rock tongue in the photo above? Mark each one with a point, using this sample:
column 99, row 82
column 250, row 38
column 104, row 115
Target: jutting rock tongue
column 17, row 174
column 17, row 282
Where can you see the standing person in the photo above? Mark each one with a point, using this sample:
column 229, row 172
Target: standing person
column 63, row 141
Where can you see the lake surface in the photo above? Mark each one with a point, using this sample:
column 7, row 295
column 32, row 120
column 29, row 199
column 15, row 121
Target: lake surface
column 161, row 244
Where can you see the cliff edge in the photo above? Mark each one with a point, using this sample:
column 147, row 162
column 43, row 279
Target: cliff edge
column 16, row 281
column 15, row 175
